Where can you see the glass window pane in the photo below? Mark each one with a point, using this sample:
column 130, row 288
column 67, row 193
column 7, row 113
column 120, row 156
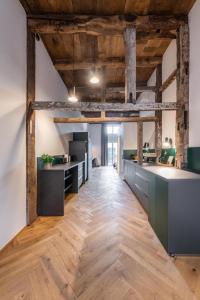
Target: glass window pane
column 109, row 129
column 116, row 129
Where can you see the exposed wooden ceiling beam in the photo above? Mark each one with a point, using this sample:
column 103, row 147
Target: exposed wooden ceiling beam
column 139, row 89
column 114, row 89
column 95, row 106
column 153, row 35
column 105, row 120
column 65, row 23
column 168, row 81
column 109, row 85
column 115, row 62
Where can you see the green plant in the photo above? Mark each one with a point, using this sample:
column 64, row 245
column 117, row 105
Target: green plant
column 47, row 159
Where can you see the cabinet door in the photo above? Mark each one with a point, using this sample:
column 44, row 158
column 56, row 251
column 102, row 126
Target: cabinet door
column 152, row 198
column 161, row 211
column 142, row 187
column 128, row 173
column 125, row 170
column 131, row 175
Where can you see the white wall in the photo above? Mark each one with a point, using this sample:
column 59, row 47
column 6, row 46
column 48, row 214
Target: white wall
column 12, row 119
column 169, row 95
column 95, row 138
column 129, row 136
column 49, row 86
column 51, row 138
column 194, row 22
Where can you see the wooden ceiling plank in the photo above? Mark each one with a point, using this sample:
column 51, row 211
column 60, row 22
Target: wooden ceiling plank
column 103, row 7
column 145, row 36
column 115, row 62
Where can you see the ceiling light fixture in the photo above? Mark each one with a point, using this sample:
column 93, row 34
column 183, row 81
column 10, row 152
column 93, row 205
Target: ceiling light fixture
column 94, row 79
column 72, row 96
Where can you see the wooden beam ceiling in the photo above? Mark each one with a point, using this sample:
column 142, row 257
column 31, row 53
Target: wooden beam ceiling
column 96, row 107
column 115, row 62
column 105, row 120
column 108, row 25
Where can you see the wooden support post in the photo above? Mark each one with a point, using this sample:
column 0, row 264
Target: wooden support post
column 158, row 114
column 140, row 142
column 130, row 58
column 30, row 132
column 182, row 114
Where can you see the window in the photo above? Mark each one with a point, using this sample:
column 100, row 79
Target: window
column 113, row 132
column 113, row 129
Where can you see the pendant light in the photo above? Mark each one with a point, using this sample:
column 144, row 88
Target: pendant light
column 94, row 79
column 72, row 96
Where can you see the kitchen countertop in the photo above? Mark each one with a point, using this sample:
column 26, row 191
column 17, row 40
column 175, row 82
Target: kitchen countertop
column 64, row 167
column 171, row 173
column 168, row 173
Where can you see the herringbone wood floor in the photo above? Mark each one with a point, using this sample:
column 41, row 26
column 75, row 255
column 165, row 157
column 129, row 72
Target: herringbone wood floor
column 103, row 248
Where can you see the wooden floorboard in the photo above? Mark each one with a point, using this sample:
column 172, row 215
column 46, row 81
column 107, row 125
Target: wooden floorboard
column 102, row 249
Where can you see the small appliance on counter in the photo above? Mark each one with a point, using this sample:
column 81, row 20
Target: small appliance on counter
column 67, row 158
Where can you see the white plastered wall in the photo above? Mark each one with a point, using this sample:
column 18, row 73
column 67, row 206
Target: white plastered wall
column 194, row 118
column 12, row 120
column 51, row 138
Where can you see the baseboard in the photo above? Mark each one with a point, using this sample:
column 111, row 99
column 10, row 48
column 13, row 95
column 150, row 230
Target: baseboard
column 7, row 245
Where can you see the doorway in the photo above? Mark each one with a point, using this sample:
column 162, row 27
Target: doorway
column 113, row 144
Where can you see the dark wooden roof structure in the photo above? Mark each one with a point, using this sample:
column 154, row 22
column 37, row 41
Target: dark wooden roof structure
column 86, row 22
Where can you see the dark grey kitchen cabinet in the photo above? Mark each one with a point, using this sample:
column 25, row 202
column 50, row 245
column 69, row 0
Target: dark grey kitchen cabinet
column 55, row 183
column 172, row 202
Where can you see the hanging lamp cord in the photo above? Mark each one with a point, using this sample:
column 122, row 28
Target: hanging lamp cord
column 73, row 64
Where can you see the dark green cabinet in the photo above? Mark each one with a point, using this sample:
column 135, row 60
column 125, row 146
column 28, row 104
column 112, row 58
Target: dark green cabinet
column 172, row 205
column 160, row 221
column 55, row 183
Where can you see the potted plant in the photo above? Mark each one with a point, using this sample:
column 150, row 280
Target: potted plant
column 47, row 161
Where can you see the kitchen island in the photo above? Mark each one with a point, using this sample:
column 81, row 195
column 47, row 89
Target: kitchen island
column 55, row 183
column 171, row 198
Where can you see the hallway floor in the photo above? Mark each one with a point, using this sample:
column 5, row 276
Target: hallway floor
column 103, row 248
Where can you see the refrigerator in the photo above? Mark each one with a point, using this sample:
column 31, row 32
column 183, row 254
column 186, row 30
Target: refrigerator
column 80, row 150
